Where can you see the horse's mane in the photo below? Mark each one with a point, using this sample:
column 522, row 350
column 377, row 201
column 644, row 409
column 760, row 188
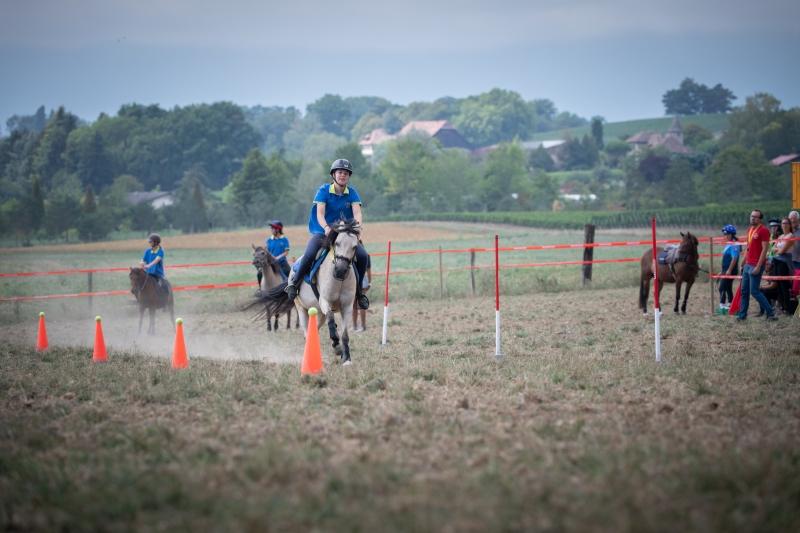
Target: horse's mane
column 342, row 226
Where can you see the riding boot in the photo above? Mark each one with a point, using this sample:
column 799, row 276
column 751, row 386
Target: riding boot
column 291, row 284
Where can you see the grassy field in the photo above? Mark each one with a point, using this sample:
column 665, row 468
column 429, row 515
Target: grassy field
column 715, row 123
column 576, row 428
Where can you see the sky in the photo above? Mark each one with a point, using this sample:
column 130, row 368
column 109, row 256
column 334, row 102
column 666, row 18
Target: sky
column 613, row 58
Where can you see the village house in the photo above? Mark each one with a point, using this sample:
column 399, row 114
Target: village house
column 441, row 130
column 672, row 141
column 156, row 199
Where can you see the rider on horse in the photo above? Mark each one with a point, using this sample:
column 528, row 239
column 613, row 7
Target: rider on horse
column 153, row 260
column 334, row 201
column 278, row 247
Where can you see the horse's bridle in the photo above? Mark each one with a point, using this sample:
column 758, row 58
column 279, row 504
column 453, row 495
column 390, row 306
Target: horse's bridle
column 144, row 284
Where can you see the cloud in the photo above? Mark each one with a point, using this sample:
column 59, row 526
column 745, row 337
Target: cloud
column 350, row 26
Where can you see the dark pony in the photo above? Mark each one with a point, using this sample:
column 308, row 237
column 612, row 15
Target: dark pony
column 150, row 297
column 271, row 277
column 682, row 267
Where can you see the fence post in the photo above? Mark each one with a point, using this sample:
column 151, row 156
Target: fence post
column 441, row 275
column 91, row 285
column 711, row 270
column 588, row 253
column 472, row 269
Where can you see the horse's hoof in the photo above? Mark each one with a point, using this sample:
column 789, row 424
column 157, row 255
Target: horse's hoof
column 347, row 362
column 338, row 350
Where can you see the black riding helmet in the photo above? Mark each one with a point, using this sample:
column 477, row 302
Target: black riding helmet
column 341, row 164
column 154, row 238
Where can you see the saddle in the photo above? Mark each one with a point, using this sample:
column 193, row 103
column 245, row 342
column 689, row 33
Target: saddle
column 669, row 255
column 311, row 277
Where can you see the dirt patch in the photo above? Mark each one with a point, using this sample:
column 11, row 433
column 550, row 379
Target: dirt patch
column 378, row 232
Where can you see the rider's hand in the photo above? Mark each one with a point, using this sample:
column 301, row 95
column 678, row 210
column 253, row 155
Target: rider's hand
column 327, row 230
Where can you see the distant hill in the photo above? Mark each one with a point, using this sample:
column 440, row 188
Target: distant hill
column 716, row 123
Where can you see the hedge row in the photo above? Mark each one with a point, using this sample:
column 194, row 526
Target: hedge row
column 706, row 216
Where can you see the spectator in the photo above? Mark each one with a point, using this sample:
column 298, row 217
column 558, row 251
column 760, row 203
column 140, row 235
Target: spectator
column 730, row 267
column 754, row 260
column 782, row 263
column 794, row 217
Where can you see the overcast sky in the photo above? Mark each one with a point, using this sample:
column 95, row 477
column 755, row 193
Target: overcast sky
column 612, row 58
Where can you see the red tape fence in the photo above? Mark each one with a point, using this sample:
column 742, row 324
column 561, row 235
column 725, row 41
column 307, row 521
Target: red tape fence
column 213, row 286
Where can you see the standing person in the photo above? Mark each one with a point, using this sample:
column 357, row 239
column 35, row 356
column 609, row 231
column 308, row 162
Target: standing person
column 794, row 218
column 365, row 284
column 782, row 263
column 730, row 267
column 754, row 260
column 278, row 247
column 153, row 260
column 334, row 201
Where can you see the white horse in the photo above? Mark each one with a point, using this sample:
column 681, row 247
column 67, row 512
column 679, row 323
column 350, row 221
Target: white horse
column 336, row 282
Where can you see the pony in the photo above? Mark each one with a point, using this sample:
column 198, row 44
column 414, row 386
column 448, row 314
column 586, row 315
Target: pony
column 150, row 297
column 271, row 277
column 682, row 267
column 336, row 283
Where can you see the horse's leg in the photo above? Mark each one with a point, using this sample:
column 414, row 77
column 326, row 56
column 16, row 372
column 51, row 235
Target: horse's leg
column 334, row 336
column 686, row 296
column 152, row 329
column 141, row 317
column 347, row 318
column 275, row 327
column 289, row 319
column 296, row 319
column 644, row 291
column 677, row 295
column 269, row 323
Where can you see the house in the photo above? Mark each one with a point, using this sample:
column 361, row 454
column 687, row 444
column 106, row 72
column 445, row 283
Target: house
column 157, row 199
column 672, row 140
column 441, row 130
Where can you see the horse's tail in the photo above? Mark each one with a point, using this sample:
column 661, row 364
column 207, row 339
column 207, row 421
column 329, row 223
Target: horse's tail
column 274, row 300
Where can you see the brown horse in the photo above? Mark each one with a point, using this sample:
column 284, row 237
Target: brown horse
column 151, row 297
column 271, row 277
column 682, row 268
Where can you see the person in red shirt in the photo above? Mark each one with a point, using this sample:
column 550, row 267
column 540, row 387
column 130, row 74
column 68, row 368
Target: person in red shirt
column 754, row 260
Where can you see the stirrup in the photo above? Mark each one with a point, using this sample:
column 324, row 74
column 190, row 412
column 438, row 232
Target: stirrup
column 363, row 301
column 291, row 291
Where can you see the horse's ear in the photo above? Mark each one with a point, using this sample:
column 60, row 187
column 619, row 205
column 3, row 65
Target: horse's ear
column 253, row 245
column 682, row 235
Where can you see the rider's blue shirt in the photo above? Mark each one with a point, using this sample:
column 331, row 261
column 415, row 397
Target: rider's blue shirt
column 157, row 269
column 730, row 253
column 337, row 206
column 277, row 245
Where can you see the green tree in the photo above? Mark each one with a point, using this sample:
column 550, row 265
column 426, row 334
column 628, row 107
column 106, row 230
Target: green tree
column 540, row 159
column 678, row 187
column 505, row 178
column 47, row 160
column 691, row 98
column 403, row 169
column 597, row 132
column 333, row 114
column 495, row 116
column 743, row 174
column 615, row 150
column 694, row 135
column 262, row 186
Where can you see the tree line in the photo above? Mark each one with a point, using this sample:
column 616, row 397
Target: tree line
column 229, row 165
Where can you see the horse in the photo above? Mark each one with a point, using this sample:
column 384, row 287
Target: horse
column 271, row 277
column 683, row 269
column 151, row 297
column 336, row 282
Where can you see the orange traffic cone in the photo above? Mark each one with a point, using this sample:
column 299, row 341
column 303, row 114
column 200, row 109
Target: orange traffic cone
column 179, row 357
column 736, row 304
column 41, row 338
column 312, row 356
column 99, row 355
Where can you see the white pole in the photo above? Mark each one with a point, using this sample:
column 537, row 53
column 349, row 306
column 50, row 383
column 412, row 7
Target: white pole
column 385, row 323
column 657, row 315
column 497, row 353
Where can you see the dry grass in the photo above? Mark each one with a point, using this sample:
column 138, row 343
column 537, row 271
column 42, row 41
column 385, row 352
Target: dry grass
column 375, row 233
column 576, row 429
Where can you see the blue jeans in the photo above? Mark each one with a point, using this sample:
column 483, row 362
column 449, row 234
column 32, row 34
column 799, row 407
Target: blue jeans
column 751, row 284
